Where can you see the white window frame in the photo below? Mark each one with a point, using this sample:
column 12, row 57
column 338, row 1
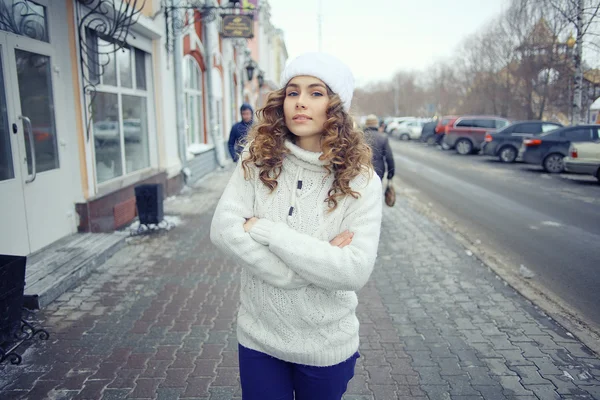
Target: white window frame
column 130, row 177
column 197, row 94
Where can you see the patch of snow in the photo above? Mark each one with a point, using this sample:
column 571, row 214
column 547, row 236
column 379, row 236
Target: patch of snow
column 568, row 375
column 526, row 272
column 551, row 223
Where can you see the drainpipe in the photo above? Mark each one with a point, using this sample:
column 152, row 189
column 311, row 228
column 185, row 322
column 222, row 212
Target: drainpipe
column 212, row 111
column 179, row 91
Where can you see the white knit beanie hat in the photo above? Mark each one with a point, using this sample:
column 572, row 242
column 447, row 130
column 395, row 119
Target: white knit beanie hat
column 327, row 68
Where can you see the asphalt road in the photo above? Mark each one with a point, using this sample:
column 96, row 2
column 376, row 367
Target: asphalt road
column 548, row 223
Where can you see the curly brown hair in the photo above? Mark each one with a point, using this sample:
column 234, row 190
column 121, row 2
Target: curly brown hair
column 343, row 146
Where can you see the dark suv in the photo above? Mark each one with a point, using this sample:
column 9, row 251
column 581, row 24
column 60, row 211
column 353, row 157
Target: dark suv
column 505, row 143
column 468, row 132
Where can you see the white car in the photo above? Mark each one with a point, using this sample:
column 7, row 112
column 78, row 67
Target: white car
column 395, row 122
column 409, row 129
column 584, row 158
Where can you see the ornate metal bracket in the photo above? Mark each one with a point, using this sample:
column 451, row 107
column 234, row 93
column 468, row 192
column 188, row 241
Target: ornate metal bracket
column 28, row 331
column 175, row 25
column 106, row 20
column 23, row 18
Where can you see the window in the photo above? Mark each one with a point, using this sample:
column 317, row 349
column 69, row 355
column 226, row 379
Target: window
column 500, row 123
column 24, row 17
column 194, row 104
column 549, row 127
column 485, row 123
column 6, row 163
column 120, row 118
column 579, row 135
column 509, row 129
column 530, row 127
column 466, row 123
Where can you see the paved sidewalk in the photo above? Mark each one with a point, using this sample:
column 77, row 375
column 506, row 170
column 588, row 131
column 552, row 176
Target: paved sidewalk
column 157, row 321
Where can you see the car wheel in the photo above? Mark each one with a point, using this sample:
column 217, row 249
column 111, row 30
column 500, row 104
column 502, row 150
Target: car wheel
column 554, row 163
column 464, row 146
column 431, row 141
column 404, row 137
column 508, row 154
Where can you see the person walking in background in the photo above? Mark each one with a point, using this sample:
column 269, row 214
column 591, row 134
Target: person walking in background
column 383, row 158
column 239, row 131
column 301, row 214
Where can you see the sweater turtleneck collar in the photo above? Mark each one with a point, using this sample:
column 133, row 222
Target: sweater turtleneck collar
column 307, row 159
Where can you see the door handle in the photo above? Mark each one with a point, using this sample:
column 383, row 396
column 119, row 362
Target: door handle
column 27, row 122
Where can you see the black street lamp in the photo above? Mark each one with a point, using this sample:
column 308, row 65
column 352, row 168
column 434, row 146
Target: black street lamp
column 260, row 78
column 250, row 67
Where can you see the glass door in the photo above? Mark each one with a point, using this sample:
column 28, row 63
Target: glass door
column 13, row 221
column 46, row 186
column 37, row 198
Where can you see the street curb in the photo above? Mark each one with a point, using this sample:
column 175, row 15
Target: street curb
column 540, row 296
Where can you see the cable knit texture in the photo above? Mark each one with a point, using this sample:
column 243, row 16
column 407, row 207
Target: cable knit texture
column 297, row 296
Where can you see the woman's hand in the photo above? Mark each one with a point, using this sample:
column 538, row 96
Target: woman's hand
column 342, row 240
column 249, row 223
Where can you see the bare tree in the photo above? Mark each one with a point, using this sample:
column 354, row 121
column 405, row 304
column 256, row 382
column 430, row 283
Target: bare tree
column 582, row 15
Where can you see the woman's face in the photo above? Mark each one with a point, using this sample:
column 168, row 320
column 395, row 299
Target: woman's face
column 305, row 106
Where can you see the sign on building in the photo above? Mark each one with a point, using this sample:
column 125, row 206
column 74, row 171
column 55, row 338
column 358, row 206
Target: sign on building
column 237, row 26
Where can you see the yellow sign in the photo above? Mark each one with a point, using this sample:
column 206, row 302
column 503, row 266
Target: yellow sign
column 237, row 26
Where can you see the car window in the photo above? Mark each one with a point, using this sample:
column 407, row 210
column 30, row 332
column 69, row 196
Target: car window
column 466, row 123
column 485, row 123
column 579, row 134
column 550, row 127
column 509, row 129
column 500, row 123
column 530, row 127
column 445, row 122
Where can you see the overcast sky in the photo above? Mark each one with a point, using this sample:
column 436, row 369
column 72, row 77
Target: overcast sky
column 378, row 37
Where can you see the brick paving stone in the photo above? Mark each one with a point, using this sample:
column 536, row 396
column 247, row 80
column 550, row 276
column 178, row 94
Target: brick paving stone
column 157, row 321
column 115, row 394
column 145, row 388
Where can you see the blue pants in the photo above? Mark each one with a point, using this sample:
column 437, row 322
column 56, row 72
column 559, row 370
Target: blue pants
column 267, row 378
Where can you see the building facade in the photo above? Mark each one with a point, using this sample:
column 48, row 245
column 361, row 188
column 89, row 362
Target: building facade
column 88, row 109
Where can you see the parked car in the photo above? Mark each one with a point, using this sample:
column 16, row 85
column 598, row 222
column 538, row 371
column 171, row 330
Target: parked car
column 468, row 132
column 392, row 125
column 409, row 129
column 440, row 129
column 549, row 149
column 428, row 132
column 584, row 158
column 506, row 142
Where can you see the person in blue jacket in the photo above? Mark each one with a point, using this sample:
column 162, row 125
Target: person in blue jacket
column 239, row 131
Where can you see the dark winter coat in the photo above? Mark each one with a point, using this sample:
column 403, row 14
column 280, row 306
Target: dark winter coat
column 382, row 152
column 236, row 136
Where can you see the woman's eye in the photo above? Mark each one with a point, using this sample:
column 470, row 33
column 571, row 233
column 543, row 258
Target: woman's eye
column 318, row 94
column 292, row 94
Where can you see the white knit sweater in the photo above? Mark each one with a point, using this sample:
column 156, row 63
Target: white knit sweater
column 297, row 296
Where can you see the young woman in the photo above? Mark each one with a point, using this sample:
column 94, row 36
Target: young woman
column 301, row 214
